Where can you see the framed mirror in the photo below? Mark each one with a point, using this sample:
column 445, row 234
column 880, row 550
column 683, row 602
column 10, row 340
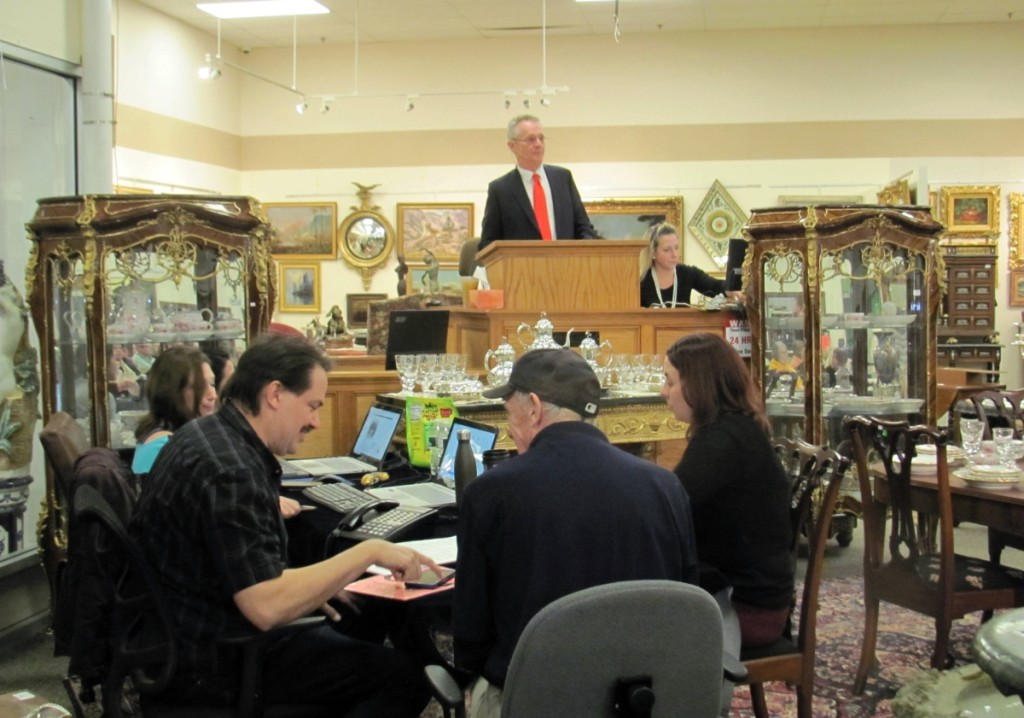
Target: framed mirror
column 365, row 241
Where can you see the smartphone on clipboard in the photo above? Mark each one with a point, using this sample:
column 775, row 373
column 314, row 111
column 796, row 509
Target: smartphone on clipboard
column 432, row 579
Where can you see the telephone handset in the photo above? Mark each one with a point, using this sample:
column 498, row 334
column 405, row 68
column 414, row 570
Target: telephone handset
column 382, row 519
column 357, row 516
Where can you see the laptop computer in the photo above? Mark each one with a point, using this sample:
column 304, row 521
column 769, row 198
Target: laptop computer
column 415, row 331
column 368, row 454
column 482, row 437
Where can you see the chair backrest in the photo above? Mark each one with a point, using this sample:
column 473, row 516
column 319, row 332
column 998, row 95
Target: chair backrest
column 467, row 257
column 890, row 447
column 574, row 651
column 141, row 635
column 63, row 441
column 815, row 494
column 1002, row 404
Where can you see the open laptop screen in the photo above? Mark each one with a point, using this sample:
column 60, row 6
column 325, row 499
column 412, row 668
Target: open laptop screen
column 482, row 437
column 376, row 433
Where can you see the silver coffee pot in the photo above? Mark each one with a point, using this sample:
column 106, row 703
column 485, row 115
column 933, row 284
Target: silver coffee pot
column 539, row 336
column 597, row 355
column 504, row 356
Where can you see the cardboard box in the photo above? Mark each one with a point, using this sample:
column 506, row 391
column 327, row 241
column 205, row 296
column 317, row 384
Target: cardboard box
column 22, row 704
column 487, row 298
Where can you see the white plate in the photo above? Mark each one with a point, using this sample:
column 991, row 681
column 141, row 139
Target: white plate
column 953, row 453
column 985, row 479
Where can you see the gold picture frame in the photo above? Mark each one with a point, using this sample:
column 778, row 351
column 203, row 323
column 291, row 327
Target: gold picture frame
column 718, row 219
column 897, row 192
column 298, row 285
column 1016, row 290
column 438, row 228
column 632, row 218
column 1015, row 200
column 970, row 211
column 303, row 230
column 357, row 308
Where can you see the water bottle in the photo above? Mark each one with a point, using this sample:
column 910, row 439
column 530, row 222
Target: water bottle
column 465, row 465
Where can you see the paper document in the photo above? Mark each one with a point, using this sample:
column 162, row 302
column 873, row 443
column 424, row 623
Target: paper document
column 442, row 550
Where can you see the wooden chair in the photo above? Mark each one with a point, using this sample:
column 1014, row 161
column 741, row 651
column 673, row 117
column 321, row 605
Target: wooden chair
column 1003, row 405
column 817, row 478
column 936, row 582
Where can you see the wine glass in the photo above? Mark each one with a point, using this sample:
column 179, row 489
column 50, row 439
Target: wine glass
column 1007, row 452
column 971, row 431
column 406, row 366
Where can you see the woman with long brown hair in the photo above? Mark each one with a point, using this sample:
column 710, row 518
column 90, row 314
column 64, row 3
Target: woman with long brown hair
column 738, row 490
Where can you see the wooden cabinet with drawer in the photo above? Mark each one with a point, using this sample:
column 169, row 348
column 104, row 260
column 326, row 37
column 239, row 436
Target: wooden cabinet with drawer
column 967, row 331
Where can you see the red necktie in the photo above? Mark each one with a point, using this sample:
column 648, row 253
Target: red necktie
column 540, row 208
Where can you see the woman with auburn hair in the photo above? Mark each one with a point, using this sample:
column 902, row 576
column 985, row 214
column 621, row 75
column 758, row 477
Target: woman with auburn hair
column 179, row 387
column 739, row 492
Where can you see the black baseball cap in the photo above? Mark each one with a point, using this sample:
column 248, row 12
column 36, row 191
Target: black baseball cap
column 559, row 376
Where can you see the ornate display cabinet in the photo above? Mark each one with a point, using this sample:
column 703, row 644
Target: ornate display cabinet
column 843, row 305
column 115, row 279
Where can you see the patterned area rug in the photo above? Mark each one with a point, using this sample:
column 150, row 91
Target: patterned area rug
column 905, row 642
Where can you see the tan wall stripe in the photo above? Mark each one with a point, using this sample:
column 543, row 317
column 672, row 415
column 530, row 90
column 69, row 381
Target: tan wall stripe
column 150, row 132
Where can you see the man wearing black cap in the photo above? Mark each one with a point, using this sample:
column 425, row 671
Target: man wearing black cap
column 569, row 512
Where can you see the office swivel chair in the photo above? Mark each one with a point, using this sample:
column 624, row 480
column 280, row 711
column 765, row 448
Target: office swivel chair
column 140, row 638
column 634, row 648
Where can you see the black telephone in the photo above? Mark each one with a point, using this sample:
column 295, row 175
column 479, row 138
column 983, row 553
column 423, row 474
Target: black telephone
column 382, row 519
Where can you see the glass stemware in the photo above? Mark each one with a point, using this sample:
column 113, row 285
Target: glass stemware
column 971, row 432
column 1004, row 446
column 406, row 366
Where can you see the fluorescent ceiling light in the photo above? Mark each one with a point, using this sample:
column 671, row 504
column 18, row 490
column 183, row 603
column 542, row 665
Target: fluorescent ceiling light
column 262, row 8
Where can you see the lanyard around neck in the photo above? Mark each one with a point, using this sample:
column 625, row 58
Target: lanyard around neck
column 657, row 289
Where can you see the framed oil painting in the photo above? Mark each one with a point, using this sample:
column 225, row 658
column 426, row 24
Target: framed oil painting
column 897, row 192
column 303, row 231
column 716, row 221
column 632, row 218
column 419, row 280
column 1016, row 202
column 970, row 211
column 298, row 287
column 440, row 229
column 1016, row 288
column 357, row 308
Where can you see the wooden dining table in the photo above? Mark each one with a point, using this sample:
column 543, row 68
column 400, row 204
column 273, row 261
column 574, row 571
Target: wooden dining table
column 995, row 508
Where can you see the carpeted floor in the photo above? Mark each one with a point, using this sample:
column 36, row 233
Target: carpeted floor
column 905, row 642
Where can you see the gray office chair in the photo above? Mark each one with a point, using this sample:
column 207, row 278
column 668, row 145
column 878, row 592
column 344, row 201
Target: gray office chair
column 634, row 648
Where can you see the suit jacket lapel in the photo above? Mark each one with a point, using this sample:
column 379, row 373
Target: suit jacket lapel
column 519, row 192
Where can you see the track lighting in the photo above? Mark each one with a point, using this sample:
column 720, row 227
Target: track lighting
column 508, row 102
column 324, row 106
column 301, row 106
column 526, row 102
column 409, row 104
column 546, row 101
column 207, row 72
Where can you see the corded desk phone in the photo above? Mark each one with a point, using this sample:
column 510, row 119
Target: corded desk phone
column 381, row 519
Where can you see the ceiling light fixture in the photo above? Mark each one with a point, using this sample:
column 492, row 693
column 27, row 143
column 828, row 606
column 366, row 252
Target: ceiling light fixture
column 508, row 102
column 262, row 8
column 409, row 104
column 208, row 71
column 301, row 106
column 325, row 106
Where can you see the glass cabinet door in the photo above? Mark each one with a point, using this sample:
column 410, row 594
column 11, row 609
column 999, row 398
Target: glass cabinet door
column 871, row 326
column 68, row 318
column 785, row 342
column 165, row 293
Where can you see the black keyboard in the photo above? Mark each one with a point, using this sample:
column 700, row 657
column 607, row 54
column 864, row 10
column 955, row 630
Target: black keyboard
column 338, row 497
column 392, row 524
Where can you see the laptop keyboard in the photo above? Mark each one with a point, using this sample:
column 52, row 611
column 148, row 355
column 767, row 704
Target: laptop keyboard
column 339, row 497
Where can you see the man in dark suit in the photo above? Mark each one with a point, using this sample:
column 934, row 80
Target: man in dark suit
column 514, row 207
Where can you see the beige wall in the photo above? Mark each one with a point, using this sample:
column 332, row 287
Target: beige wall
column 50, row 27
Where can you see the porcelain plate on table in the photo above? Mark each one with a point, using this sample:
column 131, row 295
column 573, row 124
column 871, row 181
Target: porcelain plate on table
column 990, row 477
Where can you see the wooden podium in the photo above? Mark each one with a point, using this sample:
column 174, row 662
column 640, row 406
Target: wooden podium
column 595, row 274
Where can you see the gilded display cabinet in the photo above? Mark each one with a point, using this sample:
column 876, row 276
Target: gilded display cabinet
column 843, row 303
column 115, row 279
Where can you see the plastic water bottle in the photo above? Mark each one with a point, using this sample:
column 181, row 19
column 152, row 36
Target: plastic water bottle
column 465, row 465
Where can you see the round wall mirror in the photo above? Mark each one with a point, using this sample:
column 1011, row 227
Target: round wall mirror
column 366, row 242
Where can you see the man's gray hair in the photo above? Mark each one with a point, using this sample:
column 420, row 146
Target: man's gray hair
column 514, row 122
column 554, row 412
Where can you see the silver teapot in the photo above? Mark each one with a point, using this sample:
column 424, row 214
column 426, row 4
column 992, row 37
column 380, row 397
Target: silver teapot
column 540, row 335
column 596, row 355
column 500, row 370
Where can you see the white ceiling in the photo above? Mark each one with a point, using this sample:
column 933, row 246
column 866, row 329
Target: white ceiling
column 410, row 20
